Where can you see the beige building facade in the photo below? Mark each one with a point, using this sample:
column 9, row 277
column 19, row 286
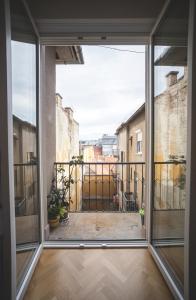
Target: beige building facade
column 131, row 148
column 67, row 146
column 67, row 132
column 25, row 179
column 170, row 109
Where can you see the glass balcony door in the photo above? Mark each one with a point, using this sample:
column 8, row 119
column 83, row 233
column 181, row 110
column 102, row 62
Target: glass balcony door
column 25, row 139
column 170, row 139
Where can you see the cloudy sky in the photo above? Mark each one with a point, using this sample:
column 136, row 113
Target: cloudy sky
column 106, row 90
column 24, row 81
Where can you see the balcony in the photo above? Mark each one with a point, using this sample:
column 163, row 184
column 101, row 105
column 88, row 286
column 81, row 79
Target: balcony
column 102, row 202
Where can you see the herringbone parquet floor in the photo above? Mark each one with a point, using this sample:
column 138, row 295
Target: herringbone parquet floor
column 97, row 274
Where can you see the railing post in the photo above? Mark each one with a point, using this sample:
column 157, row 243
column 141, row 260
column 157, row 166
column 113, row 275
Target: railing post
column 122, row 187
column 142, row 186
column 89, row 189
column 109, row 186
column 82, row 184
column 96, row 184
column 69, row 186
column 76, row 186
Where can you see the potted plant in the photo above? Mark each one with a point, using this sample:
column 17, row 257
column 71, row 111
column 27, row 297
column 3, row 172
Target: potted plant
column 142, row 212
column 53, row 216
column 65, row 181
column 60, row 187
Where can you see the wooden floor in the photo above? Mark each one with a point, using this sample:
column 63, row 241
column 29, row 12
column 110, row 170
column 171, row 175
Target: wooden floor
column 97, row 274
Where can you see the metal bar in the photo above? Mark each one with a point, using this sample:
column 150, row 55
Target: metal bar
column 33, row 189
column 106, row 163
column 142, row 186
column 75, row 244
column 56, row 176
column 122, row 189
column 136, row 179
column 89, row 190
column 76, row 185
column 69, row 188
column 173, row 188
column 102, row 189
column 25, row 164
column 160, row 183
column 96, row 184
column 154, row 186
column 170, row 162
column 167, row 185
column 169, row 209
column 25, row 189
column 109, row 185
column 82, row 184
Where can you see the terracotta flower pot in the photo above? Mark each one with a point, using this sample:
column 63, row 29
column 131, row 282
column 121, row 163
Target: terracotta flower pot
column 54, row 222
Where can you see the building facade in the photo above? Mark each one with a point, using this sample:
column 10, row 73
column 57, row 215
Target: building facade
column 67, row 146
column 67, row 132
column 170, row 109
column 98, row 150
column 131, row 147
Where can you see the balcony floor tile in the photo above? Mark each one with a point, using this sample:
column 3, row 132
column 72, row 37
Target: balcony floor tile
column 100, row 226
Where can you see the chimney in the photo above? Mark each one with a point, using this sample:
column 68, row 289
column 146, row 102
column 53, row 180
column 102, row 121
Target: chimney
column 69, row 111
column 59, row 100
column 171, row 78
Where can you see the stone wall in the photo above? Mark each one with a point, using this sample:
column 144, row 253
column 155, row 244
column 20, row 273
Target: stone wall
column 67, row 133
column 170, row 111
column 67, row 146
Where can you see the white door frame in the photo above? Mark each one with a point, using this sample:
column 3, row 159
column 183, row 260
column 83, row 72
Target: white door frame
column 7, row 208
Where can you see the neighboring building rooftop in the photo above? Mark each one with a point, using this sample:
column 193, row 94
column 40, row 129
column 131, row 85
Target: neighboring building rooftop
column 69, row 55
column 172, row 56
column 108, row 140
column 104, row 140
column 89, row 142
column 24, row 123
column 133, row 117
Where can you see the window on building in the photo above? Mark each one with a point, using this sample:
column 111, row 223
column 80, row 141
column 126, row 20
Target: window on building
column 139, row 142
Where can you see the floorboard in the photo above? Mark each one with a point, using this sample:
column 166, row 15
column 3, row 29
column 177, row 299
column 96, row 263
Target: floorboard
column 97, row 274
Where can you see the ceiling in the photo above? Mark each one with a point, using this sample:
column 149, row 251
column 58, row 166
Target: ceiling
column 60, row 22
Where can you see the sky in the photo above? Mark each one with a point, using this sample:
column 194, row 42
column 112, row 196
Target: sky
column 106, row 90
column 103, row 93
column 24, row 81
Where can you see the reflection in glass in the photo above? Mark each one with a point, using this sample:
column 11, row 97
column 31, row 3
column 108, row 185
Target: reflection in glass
column 170, row 139
column 25, row 152
column 170, row 111
column 24, row 139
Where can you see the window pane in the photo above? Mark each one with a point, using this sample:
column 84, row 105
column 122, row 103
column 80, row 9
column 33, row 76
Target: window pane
column 170, row 138
column 24, row 139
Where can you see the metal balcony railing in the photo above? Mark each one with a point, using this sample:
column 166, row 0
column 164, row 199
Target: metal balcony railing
column 169, row 185
column 25, row 188
column 102, row 186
